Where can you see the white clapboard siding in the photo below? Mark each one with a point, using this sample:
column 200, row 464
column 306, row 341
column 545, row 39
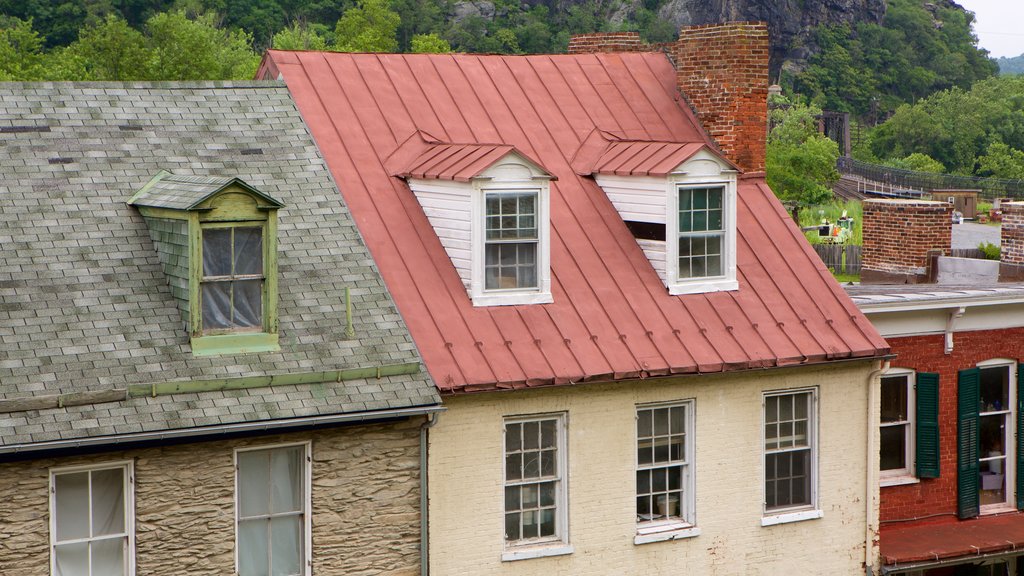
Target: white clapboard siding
column 637, row 198
column 655, row 252
column 447, row 206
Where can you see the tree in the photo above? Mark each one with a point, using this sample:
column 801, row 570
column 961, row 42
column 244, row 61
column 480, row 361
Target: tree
column 299, row 36
column 112, row 50
column 429, row 44
column 198, row 49
column 801, row 163
column 370, row 26
column 1001, row 161
column 21, row 50
column 917, row 162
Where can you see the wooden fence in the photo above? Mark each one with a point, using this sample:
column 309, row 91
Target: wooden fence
column 840, row 258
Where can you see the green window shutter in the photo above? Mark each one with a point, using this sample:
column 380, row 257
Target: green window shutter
column 968, row 396
column 926, row 447
column 1020, row 438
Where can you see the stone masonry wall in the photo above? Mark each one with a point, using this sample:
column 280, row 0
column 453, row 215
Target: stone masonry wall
column 1012, row 234
column 722, row 71
column 365, row 504
column 898, row 235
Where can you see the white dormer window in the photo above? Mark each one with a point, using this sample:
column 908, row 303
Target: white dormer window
column 489, row 205
column 701, row 256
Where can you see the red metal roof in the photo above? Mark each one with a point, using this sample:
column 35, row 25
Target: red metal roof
column 612, row 317
column 423, row 156
column 605, row 153
column 950, row 539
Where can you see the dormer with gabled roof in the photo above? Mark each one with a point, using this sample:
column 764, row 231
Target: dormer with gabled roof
column 217, row 241
column 489, row 205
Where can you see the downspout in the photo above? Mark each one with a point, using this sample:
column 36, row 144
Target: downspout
column 869, row 484
column 424, row 502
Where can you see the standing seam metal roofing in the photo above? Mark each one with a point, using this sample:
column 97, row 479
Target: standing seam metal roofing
column 612, row 317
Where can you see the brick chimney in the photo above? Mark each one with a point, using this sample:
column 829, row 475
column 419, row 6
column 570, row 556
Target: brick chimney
column 1011, row 242
column 722, row 71
column 900, row 236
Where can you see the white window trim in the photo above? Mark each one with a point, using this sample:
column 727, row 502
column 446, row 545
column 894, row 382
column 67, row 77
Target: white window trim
column 658, row 531
column 559, row 544
column 792, row 513
column 307, row 565
column 905, row 475
column 542, row 293
column 1011, row 436
column 727, row 281
column 129, row 503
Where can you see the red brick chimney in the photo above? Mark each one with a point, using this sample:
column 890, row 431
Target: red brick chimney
column 722, row 71
column 899, row 238
column 1011, row 242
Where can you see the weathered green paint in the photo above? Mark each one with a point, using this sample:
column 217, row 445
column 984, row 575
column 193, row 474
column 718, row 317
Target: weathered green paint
column 165, row 190
column 231, row 205
column 927, row 429
column 168, row 213
column 270, row 321
column 147, row 186
column 968, row 443
column 246, row 343
column 171, row 241
column 195, row 272
column 350, row 331
column 292, row 379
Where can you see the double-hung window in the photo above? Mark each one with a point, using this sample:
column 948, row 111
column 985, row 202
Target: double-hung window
column 511, row 240
column 701, row 234
column 896, row 436
column 535, row 500
column 233, row 278
column 272, row 511
column 91, row 521
column 996, row 425
column 790, row 452
column 664, row 474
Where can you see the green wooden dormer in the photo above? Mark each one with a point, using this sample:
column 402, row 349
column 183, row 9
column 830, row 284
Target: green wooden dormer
column 217, row 241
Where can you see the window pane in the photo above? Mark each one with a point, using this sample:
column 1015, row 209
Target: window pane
column 547, row 522
column 216, row 305
column 513, row 437
column 893, row 447
column 715, row 198
column 72, row 559
column 531, row 435
column 248, row 303
column 285, row 550
column 510, row 265
column 108, row 557
column 512, row 498
column 531, row 524
column 72, row 508
column 992, row 432
column 514, row 466
column 512, row 526
column 548, row 430
column 253, row 543
column 511, row 216
column 286, row 476
column 216, row 251
column 661, row 421
column 108, row 502
column 531, row 465
column 995, row 384
column 547, row 463
column 787, row 479
column 547, row 494
column 248, row 250
column 894, row 399
column 254, row 483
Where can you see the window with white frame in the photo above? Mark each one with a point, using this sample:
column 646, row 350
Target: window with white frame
column 701, row 233
column 272, row 510
column 664, row 475
column 896, row 436
column 789, row 451
column 91, row 523
column 511, row 240
column 534, row 480
column 996, row 425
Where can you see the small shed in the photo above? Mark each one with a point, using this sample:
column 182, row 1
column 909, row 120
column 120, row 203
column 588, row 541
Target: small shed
column 963, row 201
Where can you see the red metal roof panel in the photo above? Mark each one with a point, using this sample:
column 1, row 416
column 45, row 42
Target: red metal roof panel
column 611, row 317
column 950, row 539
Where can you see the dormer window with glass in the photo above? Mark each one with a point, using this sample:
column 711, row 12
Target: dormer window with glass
column 216, row 239
column 488, row 204
column 678, row 200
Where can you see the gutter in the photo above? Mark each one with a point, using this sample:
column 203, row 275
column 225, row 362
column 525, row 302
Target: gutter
column 886, row 570
column 870, row 307
column 224, row 429
column 869, row 479
column 424, row 499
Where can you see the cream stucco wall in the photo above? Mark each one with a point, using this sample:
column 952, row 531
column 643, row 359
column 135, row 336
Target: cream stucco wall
column 466, row 494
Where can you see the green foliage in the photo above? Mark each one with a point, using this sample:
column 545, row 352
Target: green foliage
column 870, row 69
column 370, row 26
column 429, row 44
column 990, row 250
column 832, row 211
column 198, row 49
column 955, row 126
column 21, row 56
column 111, row 50
column 299, row 36
column 1001, row 161
column 1013, row 65
column 918, row 162
column 801, row 163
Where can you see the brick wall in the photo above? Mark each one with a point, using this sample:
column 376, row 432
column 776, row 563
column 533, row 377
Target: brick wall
column 926, row 354
column 722, row 71
column 899, row 234
column 365, row 499
column 1012, row 234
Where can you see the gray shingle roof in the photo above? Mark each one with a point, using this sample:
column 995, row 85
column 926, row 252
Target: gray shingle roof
column 85, row 305
column 179, row 192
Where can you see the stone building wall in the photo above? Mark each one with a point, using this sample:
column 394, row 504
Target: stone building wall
column 365, row 504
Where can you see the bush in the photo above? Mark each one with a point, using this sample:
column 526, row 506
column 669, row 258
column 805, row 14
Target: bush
column 990, row 250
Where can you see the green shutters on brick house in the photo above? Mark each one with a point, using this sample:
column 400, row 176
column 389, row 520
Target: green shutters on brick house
column 968, row 397
column 927, row 424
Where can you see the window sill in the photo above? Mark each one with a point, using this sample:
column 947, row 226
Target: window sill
column 700, row 287
column 787, row 517
column 512, row 298
column 901, row 480
column 677, row 532
column 234, row 344
column 536, row 551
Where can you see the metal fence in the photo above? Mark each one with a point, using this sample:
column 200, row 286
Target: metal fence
column 895, row 178
column 840, row 258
